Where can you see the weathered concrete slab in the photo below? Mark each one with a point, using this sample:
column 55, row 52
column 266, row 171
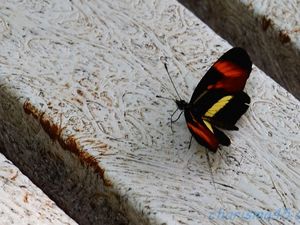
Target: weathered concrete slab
column 22, row 202
column 79, row 114
column 270, row 30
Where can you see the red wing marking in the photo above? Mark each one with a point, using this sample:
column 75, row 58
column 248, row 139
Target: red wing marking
column 233, row 78
column 205, row 134
column 230, row 69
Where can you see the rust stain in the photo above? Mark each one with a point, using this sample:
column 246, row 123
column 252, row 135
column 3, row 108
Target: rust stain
column 30, row 109
column 284, row 37
column 67, row 85
column 79, row 101
column 104, row 96
column 80, row 92
column 51, row 129
column 265, row 23
column 25, row 198
column 107, row 182
column 13, row 178
column 69, row 143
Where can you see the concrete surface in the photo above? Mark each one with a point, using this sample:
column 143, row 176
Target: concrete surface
column 22, row 202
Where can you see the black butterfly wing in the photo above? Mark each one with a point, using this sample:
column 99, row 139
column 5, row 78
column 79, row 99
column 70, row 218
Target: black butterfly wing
column 225, row 116
column 219, row 100
column 229, row 74
column 216, row 109
column 203, row 130
column 205, row 133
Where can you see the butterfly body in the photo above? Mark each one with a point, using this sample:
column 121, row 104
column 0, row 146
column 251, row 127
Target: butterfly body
column 218, row 100
column 181, row 104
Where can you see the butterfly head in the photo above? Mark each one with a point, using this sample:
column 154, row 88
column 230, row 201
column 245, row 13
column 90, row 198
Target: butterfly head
column 181, row 104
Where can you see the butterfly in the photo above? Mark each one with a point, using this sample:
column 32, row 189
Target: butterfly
column 218, row 100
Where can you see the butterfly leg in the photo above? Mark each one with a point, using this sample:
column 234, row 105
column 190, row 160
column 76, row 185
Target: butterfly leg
column 172, row 119
column 173, row 114
column 190, row 142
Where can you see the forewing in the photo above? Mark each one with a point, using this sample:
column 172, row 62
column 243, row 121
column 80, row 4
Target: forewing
column 229, row 74
column 219, row 100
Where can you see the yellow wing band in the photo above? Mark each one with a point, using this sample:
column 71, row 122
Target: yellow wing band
column 208, row 125
column 218, row 106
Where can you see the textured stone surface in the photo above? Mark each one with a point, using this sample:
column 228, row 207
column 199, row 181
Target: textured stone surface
column 269, row 30
column 77, row 104
column 22, row 202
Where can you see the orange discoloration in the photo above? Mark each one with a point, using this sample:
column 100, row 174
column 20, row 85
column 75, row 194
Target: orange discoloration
column 67, row 85
column 79, row 101
column 70, row 144
column 51, row 129
column 13, row 178
column 30, row 109
column 296, row 30
column 80, row 92
column 107, row 183
column 25, row 198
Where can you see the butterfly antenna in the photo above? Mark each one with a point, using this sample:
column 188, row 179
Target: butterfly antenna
column 159, row 96
column 172, row 81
